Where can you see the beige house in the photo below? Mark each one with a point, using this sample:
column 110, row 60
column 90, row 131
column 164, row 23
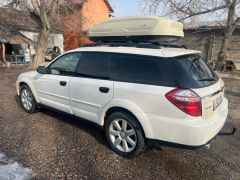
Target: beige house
column 18, row 34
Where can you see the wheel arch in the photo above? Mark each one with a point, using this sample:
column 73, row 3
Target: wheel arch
column 129, row 108
column 124, row 110
column 30, row 85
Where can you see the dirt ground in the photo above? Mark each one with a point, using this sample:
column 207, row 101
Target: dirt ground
column 56, row 146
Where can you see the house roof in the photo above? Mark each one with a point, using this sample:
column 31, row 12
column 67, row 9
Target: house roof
column 213, row 25
column 12, row 36
column 80, row 2
column 109, row 6
column 19, row 20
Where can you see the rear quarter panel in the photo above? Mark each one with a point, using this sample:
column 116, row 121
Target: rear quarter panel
column 143, row 100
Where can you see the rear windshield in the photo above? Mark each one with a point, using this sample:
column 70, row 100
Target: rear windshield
column 193, row 72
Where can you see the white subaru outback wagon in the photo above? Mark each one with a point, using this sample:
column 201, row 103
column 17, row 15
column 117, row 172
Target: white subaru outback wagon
column 138, row 95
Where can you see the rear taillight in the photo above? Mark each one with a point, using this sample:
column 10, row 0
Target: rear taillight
column 186, row 100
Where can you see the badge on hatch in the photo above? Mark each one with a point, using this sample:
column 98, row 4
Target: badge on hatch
column 217, row 102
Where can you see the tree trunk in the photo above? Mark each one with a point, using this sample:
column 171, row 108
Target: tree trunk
column 230, row 27
column 41, row 47
column 223, row 54
column 4, row 55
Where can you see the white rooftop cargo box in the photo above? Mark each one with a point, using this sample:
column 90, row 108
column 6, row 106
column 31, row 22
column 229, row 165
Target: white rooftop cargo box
column 137, row 28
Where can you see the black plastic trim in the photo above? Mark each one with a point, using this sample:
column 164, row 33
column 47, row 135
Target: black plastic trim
column 155, row 142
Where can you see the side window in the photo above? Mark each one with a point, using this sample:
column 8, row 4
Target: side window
column 94, row 65
column 142, row 70
column 65, row 65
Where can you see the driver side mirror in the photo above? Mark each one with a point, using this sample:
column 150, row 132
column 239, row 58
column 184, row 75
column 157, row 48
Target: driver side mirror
column 41, row 69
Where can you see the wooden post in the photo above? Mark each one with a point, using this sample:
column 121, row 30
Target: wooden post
column 3, row 52
column 4, row 55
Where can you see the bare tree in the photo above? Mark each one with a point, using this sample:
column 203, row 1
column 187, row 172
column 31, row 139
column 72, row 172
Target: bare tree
column 49, row 13
column 183, row 10
column 3, row 60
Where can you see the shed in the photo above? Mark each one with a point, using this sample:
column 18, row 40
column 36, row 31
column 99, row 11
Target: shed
column 208, row 39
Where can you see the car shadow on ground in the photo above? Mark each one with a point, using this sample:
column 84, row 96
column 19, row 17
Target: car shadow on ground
column 93, row 129
column 87, row 126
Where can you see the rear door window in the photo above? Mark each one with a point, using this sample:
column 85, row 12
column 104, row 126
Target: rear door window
column 192, row 72
column 94, row 65
column 141, row 69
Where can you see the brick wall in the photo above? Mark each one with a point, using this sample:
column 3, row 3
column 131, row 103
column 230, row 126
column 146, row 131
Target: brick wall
column 92, row 12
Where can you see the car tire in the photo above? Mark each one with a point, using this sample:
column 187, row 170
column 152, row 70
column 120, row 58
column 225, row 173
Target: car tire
column 27, row 99
column 124, row 134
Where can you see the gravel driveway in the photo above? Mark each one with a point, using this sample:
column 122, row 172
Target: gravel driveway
column 56, row 146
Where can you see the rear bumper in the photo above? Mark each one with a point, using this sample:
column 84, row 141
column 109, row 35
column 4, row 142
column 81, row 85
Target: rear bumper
column 188, row 132
column 155, row 142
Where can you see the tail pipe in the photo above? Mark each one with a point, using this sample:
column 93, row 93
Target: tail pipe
column 232, row 132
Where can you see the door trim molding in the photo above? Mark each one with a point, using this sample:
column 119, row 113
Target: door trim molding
column 86, row 103
column 50, row 94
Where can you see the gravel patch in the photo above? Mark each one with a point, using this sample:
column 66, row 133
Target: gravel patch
column 56, row 146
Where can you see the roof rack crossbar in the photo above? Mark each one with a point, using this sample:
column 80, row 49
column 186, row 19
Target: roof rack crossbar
column 151, row 45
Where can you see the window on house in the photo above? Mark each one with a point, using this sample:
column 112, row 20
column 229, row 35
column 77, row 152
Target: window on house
column 35, row 38
column 50, row 41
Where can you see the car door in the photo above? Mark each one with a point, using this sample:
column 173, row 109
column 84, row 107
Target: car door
column 91, row 88
column 53, row 87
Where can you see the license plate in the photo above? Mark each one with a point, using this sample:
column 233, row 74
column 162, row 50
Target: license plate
column 217, row 102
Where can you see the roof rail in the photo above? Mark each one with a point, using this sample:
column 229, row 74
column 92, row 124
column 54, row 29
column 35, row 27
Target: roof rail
column 150, row 45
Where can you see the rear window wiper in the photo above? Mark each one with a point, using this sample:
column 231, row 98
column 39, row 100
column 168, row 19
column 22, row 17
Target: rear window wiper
column 207, row 79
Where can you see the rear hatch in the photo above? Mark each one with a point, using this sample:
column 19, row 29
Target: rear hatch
column 193, row 73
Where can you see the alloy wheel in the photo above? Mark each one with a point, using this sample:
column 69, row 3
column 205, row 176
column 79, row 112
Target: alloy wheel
column 26, row 99
column 122, row 135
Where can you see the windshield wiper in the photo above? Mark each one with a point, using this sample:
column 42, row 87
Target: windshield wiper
column 207, row 79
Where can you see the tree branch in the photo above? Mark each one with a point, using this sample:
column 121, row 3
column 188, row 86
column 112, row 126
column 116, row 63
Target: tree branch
column 204, row 12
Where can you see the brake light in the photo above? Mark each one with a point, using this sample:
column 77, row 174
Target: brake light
column 186, row 100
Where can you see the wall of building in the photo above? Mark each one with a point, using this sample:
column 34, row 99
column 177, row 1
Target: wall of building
column 209, row 42
column 198, row 41
column 92, row 12
column 54, row 40
column 234, row 49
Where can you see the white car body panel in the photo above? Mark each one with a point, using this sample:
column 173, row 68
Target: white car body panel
column 28, row 78
column 191, row 131
column 160, row 119
column 50, row 92
column 86, row 100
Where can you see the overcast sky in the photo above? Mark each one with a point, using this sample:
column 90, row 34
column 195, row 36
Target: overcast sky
column 126, row 7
